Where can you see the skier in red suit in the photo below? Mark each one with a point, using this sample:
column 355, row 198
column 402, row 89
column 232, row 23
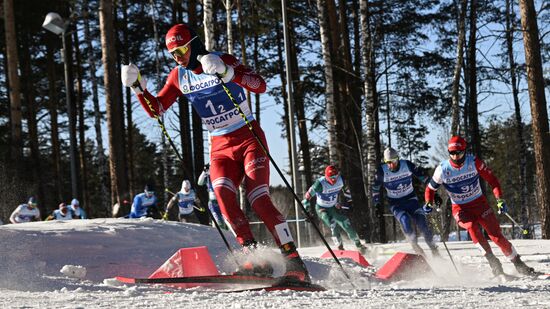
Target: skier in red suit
column 235, row 152
column 460, row 175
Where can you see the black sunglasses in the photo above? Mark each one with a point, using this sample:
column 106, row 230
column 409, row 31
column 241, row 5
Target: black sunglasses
column 456, row 152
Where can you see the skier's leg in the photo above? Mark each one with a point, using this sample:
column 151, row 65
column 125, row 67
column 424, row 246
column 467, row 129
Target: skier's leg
column 256, row 169
column 419, row 218
column 405, row 222
column 345, row 223
column 468, row 220
column 490, row 222
column 226, row 174
column 326, row 217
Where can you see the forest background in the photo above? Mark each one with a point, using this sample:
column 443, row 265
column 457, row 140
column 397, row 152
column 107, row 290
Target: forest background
column 365, row 75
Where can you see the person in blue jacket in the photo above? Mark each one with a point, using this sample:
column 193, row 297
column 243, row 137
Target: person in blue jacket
column 396, row 176
column 145, row 204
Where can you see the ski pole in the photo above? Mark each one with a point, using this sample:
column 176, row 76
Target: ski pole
column 524, row 231
column 197, row 208
column 280, row 173
column 434, row 223
column 161, row 124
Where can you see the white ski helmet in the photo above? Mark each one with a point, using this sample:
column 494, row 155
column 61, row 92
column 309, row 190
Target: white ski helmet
column 185, row 186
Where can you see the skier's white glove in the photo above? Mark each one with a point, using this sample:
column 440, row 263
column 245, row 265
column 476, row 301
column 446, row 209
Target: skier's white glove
column 131, row 78
column 212, row 64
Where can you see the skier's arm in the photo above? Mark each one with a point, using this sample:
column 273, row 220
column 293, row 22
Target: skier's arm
column 377, row 186
column 136, row 207
column 487, row 174
column 433, row 185
column 244, row 76
column 315, row 187
column 14, row 214
column 165, row 98
column 154, row 106
column 171, row 203
column 418, row 172
column 202, row 178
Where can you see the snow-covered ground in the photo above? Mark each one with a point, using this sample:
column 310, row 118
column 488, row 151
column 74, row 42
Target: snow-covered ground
column 70, row 264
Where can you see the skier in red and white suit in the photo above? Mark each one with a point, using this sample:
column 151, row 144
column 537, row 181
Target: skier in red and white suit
column 460, row 177
column 235, row 152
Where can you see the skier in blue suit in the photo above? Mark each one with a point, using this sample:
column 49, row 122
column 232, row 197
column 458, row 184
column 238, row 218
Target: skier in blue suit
column 397, row 178
column 145, row 204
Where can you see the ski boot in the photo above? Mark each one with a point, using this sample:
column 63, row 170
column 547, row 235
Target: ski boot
column 521, row 267
column 494, row 262
column 360, row 247
column 417, row 249
column 341, row 247
column 253, row 267
column 435, row 252
column 295, row 269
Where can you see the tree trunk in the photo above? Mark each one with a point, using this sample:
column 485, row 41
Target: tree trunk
column 208, row 21
column 539, row 112
column 255, row 56
column 117, row 151
column 16, row 143
column 79, row 102
column 370, row 90
column 522, row 162
column 455, row 107
column 282, row 70
column 28, row 86
column 229, row 24
column 475, row 140
column 104, row 208
column 54, row 127
column 128, row 97
column 326, row 51
column 299, row 108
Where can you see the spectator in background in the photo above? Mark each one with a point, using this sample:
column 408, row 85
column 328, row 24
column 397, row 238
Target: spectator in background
column 26, row 212
column 62, row 213
column 78, row 212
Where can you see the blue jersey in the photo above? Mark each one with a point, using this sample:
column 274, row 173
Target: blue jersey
column 206, row 94
column 398, row 184
column 141, row 205
column 58, row 215
column 462, row 184
column 327, row 194
column 78, row 212
column 186, row 202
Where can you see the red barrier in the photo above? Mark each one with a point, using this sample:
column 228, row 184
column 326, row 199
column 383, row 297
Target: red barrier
column 187, row 262
column 403, row 266
column 347, row 254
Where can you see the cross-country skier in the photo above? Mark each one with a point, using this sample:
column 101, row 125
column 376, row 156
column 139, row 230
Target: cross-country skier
column 145, row 203
column 187, row 200
column 327, row 190
column 460, row 177
column 213, row 206
column 62, row 213
column 396, row 176
column 235, row 152
column 26, row 212
column 78, row 212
